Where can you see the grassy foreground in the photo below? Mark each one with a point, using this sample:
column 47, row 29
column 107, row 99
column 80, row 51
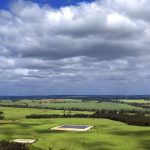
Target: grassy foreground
column 106, row 135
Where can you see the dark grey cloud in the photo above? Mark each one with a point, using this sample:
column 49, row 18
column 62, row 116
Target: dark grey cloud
column 101, row 47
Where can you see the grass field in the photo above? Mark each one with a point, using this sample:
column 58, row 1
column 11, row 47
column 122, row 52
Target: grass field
column 136, row 101
column 106, row 134
column 19, row 113
column 140, row 102
column 73, row 104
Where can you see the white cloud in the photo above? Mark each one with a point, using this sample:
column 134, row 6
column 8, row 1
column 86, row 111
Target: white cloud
column 104, row 42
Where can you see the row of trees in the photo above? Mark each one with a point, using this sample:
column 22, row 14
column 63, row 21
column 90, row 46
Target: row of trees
column 38, row 116
column 6, row 145
column 143, row 105
column 137, row 119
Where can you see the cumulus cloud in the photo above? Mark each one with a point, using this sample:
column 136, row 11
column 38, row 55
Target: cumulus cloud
column 101, row 47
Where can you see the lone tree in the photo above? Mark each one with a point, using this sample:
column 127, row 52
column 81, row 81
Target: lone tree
column 1, row 115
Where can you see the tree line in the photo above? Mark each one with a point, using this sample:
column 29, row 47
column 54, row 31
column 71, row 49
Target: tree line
column 143, row 105
column 6, row 145
column 136, row 119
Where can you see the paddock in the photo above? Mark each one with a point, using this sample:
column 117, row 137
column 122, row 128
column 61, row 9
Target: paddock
column 72, row 128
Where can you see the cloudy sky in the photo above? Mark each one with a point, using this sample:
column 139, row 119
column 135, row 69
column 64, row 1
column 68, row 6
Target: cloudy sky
column 74, row 47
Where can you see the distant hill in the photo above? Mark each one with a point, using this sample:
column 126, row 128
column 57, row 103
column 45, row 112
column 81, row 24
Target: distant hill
column 86, row 97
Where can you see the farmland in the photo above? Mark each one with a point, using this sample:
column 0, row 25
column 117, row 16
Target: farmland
column 136, row 101
column 70, row 104
column 19, row 113
column 106, row 134
column 140, row 103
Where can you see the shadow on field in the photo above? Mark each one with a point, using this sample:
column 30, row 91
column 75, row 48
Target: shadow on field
column 49, row 131
column 34, row 147
column 100, row 145
column 27, row 125
column 143, row 143
column 42, row 131
column 132, row 133
column 100, row 126
column 85, row 144
column 55, row 131
column 7, row 131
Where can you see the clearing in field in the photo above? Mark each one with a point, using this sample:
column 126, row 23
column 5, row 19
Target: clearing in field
column 24, row 141
column 72, row 128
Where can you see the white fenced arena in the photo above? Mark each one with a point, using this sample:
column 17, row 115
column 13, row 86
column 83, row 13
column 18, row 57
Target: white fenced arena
column 72, row 128
column 24, row 141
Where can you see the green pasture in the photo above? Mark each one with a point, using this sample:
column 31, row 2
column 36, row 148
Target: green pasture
column 11, row 113
column 98, row 106
column 136, row 101
column 73, row 105
column 106, row 135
